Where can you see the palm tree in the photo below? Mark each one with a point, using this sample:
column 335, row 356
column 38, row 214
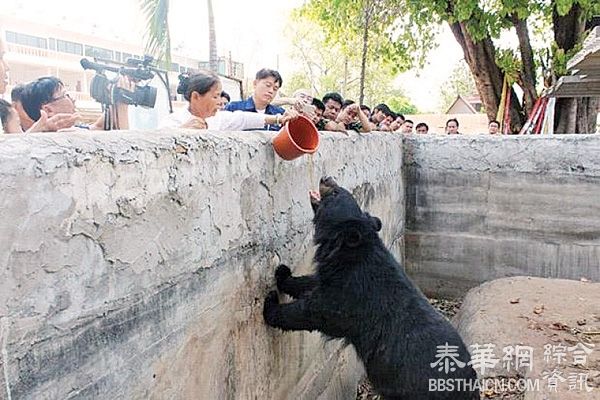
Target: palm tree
column 212, row 39
column 158, row 40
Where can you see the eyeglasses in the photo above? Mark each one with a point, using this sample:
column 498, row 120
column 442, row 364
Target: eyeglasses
column 64, row 96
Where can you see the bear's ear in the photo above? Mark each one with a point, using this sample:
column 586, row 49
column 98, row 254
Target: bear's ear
column 353, row 237
column 376, row 222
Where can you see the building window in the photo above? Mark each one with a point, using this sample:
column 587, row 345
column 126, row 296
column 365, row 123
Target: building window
column 175, row 67
column 26, row 40
column 98, row 52
column 188, row 70
column 69, row 47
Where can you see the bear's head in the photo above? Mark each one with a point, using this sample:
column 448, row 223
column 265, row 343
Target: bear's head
column 339, row 221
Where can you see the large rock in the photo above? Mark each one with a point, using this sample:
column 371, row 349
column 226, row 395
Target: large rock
column 537, row 312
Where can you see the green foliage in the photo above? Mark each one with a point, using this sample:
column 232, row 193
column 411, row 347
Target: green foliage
column 326, row 67
column 401, row 32
column 158, row 38
column 396, row 38
column 401, row 104
column 460, row 82
column 560, row 58
column 563, row 6
column 509, row 63
column 298, row 80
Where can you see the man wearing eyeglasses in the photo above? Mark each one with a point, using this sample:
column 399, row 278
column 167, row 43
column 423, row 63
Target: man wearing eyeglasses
column 46, row 99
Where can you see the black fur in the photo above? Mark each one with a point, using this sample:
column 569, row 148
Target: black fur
column 361, row 295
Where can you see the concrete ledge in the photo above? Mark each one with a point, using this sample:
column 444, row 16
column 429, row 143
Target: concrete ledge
column 138, row 261
column 134, row 264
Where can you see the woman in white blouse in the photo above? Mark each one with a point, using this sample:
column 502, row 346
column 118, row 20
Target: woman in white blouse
column 203, row 93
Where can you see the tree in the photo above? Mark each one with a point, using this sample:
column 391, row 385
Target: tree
column 401, row 104
column 372, row 26
column 326, row 66
column 460, row 82
column 212, row 39
column 569, row 19
column 158, row 38
column 475, row 25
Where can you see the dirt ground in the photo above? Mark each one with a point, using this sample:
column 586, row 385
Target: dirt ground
column 536, row 312
column 553, row 318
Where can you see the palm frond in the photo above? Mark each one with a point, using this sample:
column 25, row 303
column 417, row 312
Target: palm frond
column 158, row 39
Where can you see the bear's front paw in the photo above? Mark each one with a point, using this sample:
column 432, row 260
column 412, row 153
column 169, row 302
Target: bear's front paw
column 282, row 273
column 271, row 300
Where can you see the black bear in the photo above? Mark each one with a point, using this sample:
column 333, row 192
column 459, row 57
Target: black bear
column 361, row 294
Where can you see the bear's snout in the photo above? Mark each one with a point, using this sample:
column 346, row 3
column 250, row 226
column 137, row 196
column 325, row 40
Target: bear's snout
column 326, row 185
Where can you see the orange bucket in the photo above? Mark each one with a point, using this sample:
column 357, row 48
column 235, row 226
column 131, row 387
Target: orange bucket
column 297, row 137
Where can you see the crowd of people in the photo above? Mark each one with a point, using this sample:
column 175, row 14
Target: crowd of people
column 210, row 108
column 44, row 105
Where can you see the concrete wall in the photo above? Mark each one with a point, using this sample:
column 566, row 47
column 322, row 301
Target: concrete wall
column 134, row 265
column 483, row 207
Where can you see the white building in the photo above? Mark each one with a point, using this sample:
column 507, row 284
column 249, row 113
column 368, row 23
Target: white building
column 34, row 50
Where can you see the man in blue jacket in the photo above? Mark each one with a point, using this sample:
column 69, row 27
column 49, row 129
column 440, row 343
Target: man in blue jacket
column 266, row 85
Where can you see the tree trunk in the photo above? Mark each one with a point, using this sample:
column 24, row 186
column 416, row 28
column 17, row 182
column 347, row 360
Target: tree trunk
column 527, row 76
column 345, row 83
column 363, row 65
column 212, row 40
column 587, row 114
column 573, row 115
column 568, row 28
column 480, row 56
column 576, row 115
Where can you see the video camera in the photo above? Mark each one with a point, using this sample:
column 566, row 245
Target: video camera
column 106, row 91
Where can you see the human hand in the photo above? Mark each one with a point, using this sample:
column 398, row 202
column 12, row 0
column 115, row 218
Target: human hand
column 348, row 114
column 125, row 86
column 299, row 105
column 126, row 82
column 55, row 123
column 385, row 127
column 288, row 116
column 353, row 108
